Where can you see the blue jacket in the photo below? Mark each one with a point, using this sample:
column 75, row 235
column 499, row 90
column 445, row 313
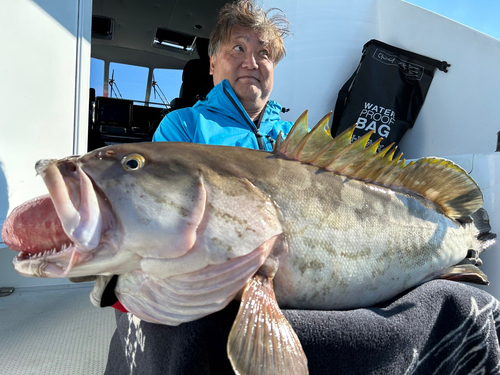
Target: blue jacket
column 220, row 119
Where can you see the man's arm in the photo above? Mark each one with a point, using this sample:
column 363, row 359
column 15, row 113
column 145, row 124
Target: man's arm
column 173, row 128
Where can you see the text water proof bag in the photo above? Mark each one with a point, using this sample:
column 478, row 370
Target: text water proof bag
column 385, row 93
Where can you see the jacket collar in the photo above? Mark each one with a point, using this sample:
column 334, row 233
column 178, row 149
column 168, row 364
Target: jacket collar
column 217, row 101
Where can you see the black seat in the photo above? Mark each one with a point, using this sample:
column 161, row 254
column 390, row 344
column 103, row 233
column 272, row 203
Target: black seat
column 196, row 83
column 196, row 78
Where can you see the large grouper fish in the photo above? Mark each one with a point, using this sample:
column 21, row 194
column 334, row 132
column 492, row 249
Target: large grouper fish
column 319, row 223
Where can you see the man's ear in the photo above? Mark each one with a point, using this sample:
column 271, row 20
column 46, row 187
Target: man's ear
column 212, row 64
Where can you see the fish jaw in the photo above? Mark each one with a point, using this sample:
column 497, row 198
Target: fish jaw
column 59, row 235
column 55, row 263
column 77, row 208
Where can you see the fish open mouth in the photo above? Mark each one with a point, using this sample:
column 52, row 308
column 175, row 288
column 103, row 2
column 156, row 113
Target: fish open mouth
column 35, row 231
column 55, row 232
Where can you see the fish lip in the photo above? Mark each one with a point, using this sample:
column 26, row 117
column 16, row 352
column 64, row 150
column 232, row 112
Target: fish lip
column 64, row 179
column 75, row 200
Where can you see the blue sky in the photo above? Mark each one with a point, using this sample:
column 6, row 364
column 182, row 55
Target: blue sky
column 482, row 15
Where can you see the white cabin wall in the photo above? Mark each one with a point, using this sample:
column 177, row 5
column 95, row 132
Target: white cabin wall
column 459, row 115
column 82, row 76
column 328, row 37
column 44, row 74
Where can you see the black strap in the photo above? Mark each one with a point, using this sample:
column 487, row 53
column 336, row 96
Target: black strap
column 260, row 142
column 257, row 129
column 252, row 126
column 108, row 297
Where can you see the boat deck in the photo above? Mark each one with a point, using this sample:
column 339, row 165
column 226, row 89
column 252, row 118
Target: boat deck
column 54, row 332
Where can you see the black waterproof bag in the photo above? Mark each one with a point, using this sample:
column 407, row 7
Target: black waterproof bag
column 385, row 93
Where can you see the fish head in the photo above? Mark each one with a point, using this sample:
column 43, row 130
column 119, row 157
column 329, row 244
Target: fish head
column 107, row 210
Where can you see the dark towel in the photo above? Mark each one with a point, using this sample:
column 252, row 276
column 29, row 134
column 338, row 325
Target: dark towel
column 441, row 327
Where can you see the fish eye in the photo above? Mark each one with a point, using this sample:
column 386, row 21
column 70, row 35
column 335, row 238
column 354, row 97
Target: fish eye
column 133, row 162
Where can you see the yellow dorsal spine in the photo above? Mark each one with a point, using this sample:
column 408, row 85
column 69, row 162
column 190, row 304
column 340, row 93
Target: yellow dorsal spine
column 436, row 179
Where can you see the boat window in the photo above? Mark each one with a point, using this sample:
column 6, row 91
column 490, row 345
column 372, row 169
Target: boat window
column 167, row 83
column 127, row 81
column 97, row 75
column 130, row 82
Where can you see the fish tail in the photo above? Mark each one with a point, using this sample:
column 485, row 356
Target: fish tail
column 481, row 221
column 483, row 238
column 467, row 270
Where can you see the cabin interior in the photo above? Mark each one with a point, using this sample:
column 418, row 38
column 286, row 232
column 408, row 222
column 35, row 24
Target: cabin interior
column 167, row 42
column 100, row 42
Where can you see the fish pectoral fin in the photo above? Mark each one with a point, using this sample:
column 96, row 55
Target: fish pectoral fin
column 261, row 340
column 464, row 272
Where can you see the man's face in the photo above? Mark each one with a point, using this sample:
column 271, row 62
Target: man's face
column 244, row 61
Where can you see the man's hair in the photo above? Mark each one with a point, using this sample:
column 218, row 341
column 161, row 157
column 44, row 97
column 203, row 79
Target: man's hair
column 271, row 27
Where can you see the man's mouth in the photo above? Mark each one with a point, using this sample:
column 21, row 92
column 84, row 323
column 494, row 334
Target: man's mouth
column 249, row 78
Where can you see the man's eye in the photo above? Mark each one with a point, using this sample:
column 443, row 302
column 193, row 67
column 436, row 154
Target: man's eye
column 265, row 54
column 238, row 48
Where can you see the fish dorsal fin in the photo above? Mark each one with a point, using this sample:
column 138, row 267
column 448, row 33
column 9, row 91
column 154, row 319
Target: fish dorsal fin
column 439, row 180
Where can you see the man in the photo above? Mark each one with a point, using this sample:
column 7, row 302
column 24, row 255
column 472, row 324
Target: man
column 244, row 49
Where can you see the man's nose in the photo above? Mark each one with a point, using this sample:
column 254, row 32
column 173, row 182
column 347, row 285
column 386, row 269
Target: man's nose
column 250, row 62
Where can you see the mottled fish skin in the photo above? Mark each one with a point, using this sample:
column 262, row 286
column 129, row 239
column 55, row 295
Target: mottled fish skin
column 356, row 244
column 348, row 243
column 352, row 244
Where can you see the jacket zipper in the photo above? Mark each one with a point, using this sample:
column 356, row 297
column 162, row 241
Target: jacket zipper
column 252, row 126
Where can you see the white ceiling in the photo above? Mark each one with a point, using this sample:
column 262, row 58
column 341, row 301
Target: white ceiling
column 137, row 21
